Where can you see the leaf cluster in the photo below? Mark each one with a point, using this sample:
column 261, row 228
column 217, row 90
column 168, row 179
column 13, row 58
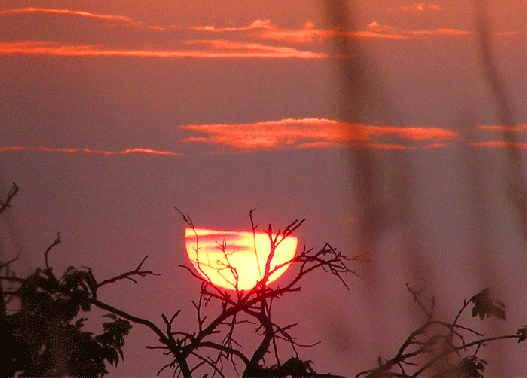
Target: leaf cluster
column 293, row 367
column 45, row 297
column 42, row 337
column 485, row 306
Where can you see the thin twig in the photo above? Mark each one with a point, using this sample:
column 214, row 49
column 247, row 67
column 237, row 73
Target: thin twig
column 128, row 275
column 10, row 195
column 56, row 242
column 6, row 264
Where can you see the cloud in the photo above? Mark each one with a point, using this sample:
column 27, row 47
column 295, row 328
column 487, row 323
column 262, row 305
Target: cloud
column 323, row 133
column 306, row 133
column 219, row 49
column 418, row 7
column 388, row 31
column 268, row 31
column 501, row 144
column 514, row 128
column 128, row 151
column 269, row 134
column 412, row 133
column 261, row 39
column 308, row 34
column 107, row 17
column 513, row 136
column 256, row 50
column 255, row 25
column 436, row 32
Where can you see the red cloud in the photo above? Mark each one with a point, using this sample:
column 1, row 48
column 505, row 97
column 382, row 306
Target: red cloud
column 418, row 7
column 388, row 31
column 315, row 133
column 220, row 49
column 305, row 133
column 128, row 151
column 258, row 24
column 515, row 128
column 69, row 12
column 451, row 32
column 510, row 136
column 308, row 34
column 501, row 144
column 257, row 50
column 242, row 42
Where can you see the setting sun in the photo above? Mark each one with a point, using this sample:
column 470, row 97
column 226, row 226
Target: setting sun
column 236, row 259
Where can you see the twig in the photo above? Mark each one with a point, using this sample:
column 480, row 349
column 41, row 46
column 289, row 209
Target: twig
column 56, row 242
column 6, row 264
column 208, row 362
column 416, row 296
column 10, row 195
column 128, row 275
column 162, row 337
column 186, row 218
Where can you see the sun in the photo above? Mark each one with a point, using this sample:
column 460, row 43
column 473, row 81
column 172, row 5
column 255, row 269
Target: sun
column 236, row 259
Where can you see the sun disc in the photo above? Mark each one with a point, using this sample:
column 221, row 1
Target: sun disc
column 236, row 259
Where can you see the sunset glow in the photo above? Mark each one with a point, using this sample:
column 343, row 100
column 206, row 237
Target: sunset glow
column 397, row 129
column 236, row 259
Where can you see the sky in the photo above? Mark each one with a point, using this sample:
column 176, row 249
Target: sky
column 112, row 113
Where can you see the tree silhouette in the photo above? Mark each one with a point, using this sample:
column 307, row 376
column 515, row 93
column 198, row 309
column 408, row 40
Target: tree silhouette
column 445, row 349
column 42, row 334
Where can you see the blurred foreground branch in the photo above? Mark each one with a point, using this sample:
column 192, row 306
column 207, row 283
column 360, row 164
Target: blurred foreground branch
column 445, row 349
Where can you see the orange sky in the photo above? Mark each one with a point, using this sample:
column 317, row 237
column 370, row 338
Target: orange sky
column 73, row 30
column 261, row 38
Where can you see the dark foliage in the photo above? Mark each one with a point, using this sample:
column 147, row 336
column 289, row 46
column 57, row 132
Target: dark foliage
column 484, row 306
column 40, row 337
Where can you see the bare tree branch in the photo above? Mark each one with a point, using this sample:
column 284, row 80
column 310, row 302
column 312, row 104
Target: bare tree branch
column 128, row 275
column 46, row 254
column 435, row 341
column 10, row 195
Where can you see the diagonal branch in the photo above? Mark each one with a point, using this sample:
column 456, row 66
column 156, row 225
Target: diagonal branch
column 10, row 195
column 128, row 275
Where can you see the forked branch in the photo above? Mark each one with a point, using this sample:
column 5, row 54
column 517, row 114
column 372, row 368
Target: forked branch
column 129, row 275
